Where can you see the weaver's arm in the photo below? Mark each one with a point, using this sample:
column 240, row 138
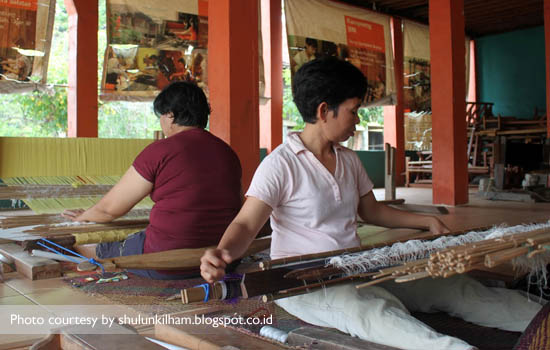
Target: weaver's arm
column 380, row 214
column 131, row 189
column 236, row 239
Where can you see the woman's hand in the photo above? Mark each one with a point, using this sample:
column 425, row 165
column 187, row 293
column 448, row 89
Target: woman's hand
column 73, row 214
column 213, row 264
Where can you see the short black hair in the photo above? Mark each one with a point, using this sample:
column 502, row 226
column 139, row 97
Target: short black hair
column 327, row 80
column 311, row 42
column 186, row 101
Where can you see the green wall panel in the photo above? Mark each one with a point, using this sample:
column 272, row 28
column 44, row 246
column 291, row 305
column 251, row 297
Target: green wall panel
column 511, row 72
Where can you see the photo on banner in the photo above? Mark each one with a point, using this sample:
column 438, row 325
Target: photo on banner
column 320, row 28
column 417, row 68
column 151, row 45
column 25, row 38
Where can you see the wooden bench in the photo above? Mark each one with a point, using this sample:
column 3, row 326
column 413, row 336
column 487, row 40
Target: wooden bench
column 421, row 167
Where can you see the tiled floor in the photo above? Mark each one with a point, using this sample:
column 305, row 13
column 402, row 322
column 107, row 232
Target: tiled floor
column 17, row 290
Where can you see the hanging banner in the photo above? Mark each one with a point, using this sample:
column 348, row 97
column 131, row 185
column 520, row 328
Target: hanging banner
column 416, row 52
column 416, row 70
column 25, row 38
column 151, row 44
column 318, row 28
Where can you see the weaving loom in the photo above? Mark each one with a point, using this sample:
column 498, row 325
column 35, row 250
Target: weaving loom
column 526, row 246
column 54, row 174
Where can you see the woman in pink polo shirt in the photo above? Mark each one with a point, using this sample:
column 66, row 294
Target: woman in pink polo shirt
column 313, row 188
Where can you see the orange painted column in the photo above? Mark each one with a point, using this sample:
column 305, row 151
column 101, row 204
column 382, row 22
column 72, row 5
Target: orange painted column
column 394, row 119
column 448, row 87
column 547, row 58
column 233, row 78
column 271, row 111
column 82, row 92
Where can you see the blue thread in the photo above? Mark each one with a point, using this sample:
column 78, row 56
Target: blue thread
column 95, row 262
column 206, row 288
column 58, row 253
column 90, row 260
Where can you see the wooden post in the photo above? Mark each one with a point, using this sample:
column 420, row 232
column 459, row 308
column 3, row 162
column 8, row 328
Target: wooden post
column 389, row 178
column 448, row 86
column 394, row 119
column 82, row 93
column 499, row 160
column 233, row 78
column 271, row 111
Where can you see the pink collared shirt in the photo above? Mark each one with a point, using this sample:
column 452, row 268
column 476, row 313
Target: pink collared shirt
column 313, row 211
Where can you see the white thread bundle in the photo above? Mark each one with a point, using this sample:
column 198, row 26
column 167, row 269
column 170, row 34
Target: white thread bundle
column 274, row 333
column 400, row 253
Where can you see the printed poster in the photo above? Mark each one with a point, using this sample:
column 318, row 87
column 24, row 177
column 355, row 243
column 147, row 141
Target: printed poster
column 152, row 44
column 25, row 37
column 318, row 28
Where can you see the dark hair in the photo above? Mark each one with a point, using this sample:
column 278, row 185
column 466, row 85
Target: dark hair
column 186, row 101
column 327, row 80
column 311, row 42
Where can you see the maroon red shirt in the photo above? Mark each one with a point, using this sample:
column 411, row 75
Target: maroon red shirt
column 196, row 189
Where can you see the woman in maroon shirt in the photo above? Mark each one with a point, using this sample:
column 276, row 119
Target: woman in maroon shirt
column 192, row 176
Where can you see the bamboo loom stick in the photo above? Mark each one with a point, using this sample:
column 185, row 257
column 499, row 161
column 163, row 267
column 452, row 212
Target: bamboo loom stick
column 412, row 277
column 488, row 253
column 325, row 283
column 500, row 257
column 375, row 281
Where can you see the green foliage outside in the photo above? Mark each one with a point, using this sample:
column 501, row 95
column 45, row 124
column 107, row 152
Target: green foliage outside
column 44, row 114
column 368, row 116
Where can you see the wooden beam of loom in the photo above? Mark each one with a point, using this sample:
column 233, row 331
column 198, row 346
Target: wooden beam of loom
column 49, row 191
column 57, row 205
column 176, row 259
column 34, row 268
column 51, row 219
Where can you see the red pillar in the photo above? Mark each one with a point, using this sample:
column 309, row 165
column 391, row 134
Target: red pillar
column 271, row 111
column 448, row 86
column 547, row 40
column 233, row 78
column 394, row 119
column 82, row 92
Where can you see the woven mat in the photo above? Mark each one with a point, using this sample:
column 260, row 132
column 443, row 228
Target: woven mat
column 149, row 296
column 537, row 334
